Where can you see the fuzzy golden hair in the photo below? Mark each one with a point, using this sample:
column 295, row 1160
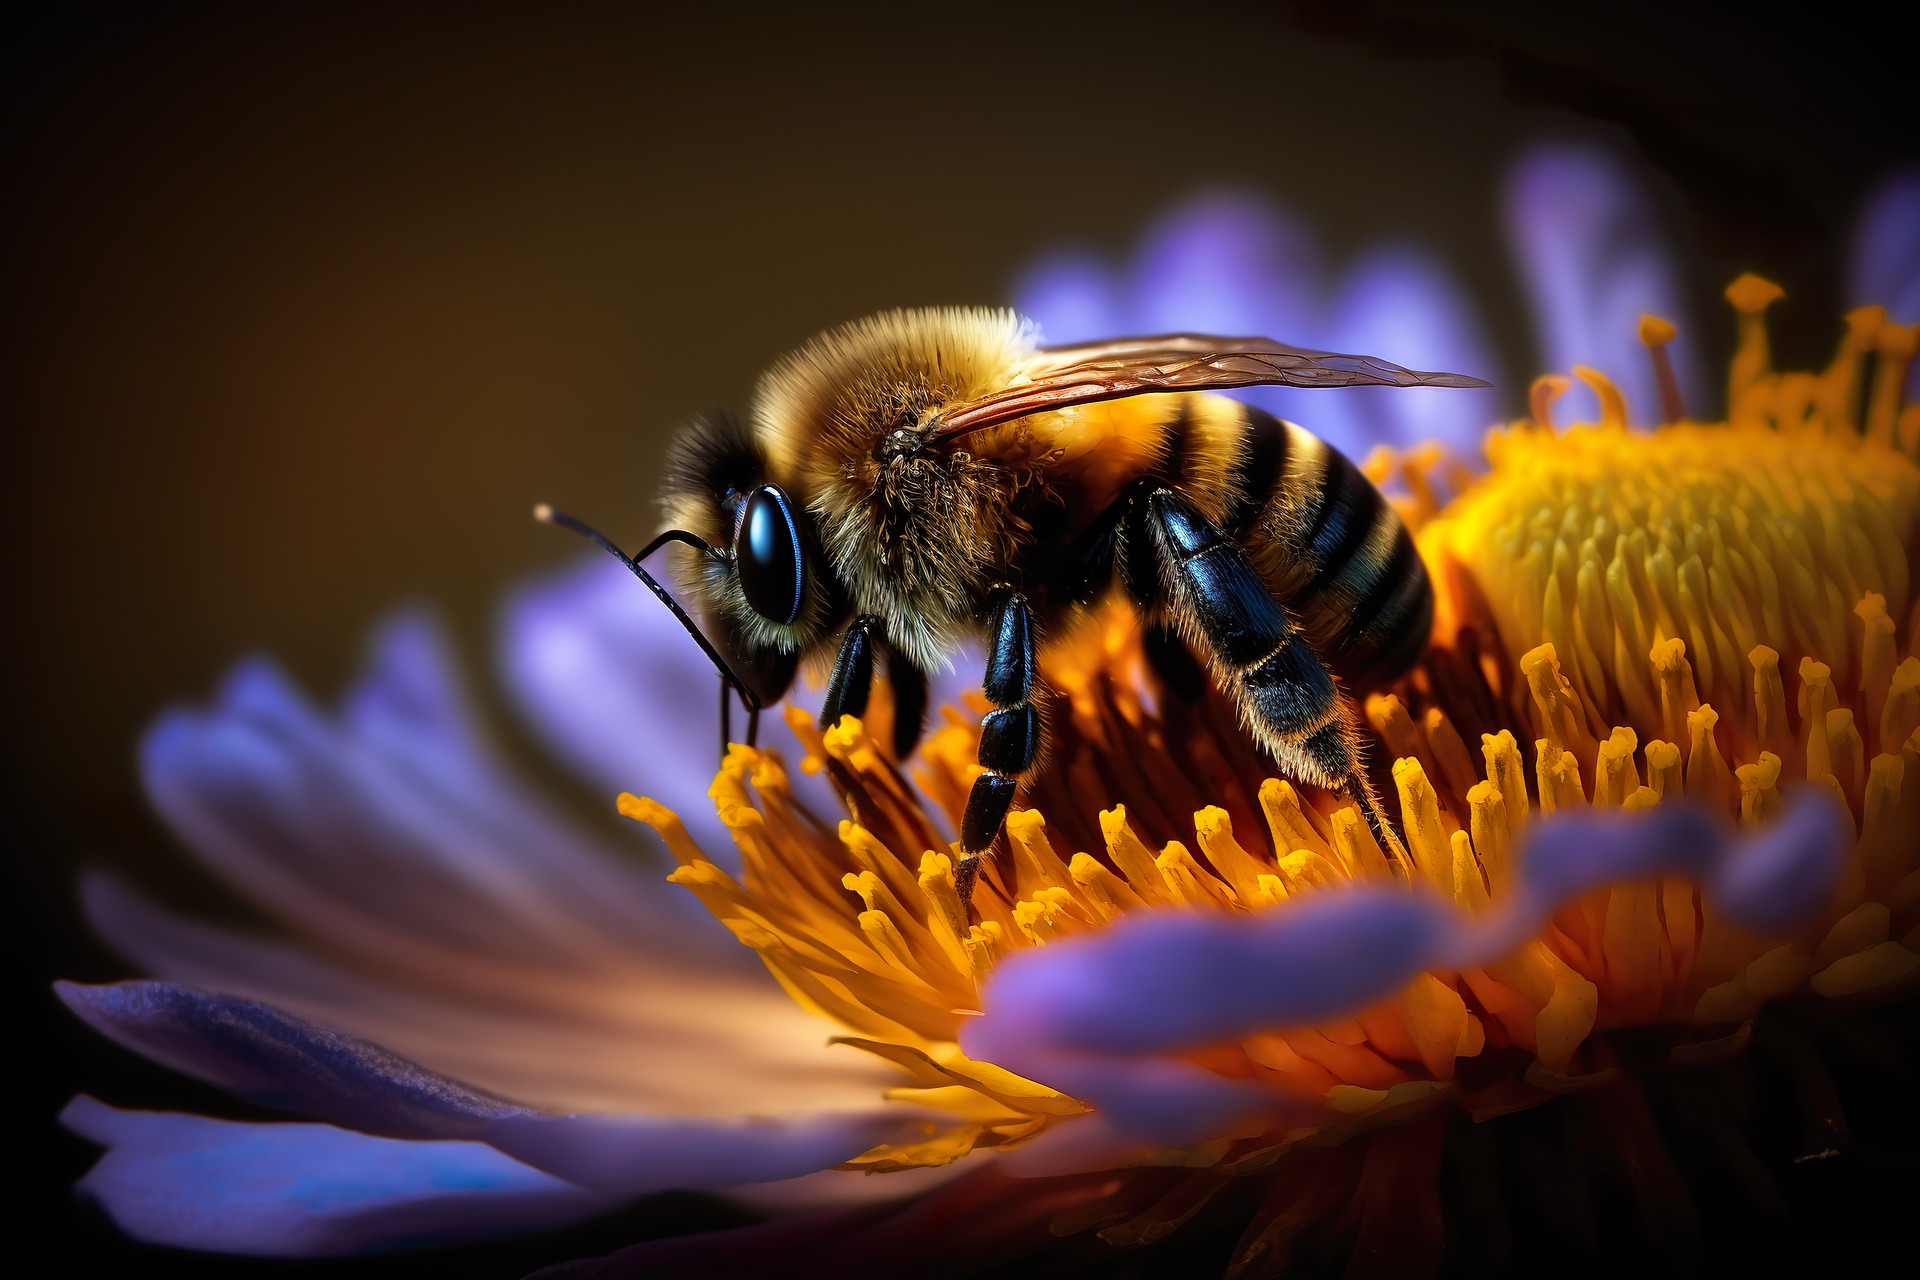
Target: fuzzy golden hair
column 913, row 538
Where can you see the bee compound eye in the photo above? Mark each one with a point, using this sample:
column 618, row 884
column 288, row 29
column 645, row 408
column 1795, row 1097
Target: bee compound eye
column 768, row 555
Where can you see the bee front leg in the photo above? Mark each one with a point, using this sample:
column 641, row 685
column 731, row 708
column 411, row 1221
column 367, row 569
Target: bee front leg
column 1009, row 735
column 852, row 678
column 1285, row 693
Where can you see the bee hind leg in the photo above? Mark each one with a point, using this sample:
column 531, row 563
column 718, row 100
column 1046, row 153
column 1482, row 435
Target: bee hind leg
column 1009, row 735
column 1289, row 698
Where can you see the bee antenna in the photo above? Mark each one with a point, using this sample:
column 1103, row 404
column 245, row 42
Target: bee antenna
column 545, row 514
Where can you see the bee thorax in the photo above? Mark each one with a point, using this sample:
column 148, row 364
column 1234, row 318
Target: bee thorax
column 901, row 443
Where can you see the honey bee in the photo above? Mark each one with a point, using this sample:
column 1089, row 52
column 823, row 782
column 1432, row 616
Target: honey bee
column 917, row 478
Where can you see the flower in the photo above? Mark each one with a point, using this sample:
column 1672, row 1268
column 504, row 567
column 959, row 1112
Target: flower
column 1626, row 551
column 475, row 973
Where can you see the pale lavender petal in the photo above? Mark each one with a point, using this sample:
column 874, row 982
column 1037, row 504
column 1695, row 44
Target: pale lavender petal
column 1072, row 298
column 1102, row 1016
column 308, row 1190
column 389, row 829
column 1592, row 258
column 1884, row 266
column 634, row 1155
column 1401, row 304
column 611, row 684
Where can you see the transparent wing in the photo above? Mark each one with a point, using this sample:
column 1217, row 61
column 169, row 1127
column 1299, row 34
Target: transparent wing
column 1088, row 372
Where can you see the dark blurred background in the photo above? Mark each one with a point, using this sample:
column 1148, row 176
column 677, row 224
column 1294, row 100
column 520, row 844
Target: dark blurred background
column 305, row 305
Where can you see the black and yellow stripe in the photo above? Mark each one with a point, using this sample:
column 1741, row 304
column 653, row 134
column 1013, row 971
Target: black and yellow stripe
column 1331, row 548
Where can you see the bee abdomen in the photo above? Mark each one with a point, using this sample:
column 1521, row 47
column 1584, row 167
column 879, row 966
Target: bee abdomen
column 1332, row 548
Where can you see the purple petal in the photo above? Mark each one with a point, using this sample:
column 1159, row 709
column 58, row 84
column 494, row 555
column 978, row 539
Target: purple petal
column 1100, row 1016
column 409, row 711
column 1592, row 258
column 1788, row 870
column 634, row 1155
column 1768, row 881
column 1885, row 263
column 611, row 684
column 308, row 1190
column 1155, row 983
column 1233, row 264
column 1230, row 264
column 1072, row 297
column 273, row 1059
column 1401, row 304
column 1584, row 850
column 1884, row 267
column 1086, row 1017
column 389, row 830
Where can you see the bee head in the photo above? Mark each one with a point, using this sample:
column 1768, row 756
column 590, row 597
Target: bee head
column 763, row 581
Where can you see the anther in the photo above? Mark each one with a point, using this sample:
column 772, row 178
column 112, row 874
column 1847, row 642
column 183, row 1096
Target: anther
column 1656, row 333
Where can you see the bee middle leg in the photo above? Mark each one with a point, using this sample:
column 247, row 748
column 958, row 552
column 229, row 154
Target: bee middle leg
column 1287, row 695
column 1009, row 734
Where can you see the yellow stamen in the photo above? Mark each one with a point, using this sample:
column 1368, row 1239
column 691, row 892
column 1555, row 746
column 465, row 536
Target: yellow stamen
column 1546, row 389
column 1895, row 344
column 1634, row 608
column 1747, row 381
column 1613, row 405
column 1656, row 334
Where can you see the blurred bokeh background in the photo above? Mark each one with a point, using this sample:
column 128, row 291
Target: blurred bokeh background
column 306, row 304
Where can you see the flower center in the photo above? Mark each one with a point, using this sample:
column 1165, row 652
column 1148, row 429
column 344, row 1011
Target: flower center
column 1598, row 589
